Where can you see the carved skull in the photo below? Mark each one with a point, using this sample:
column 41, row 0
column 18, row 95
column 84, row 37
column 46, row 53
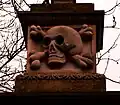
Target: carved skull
column 59, row 40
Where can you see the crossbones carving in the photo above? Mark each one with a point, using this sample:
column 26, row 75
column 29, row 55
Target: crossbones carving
column 60, row 43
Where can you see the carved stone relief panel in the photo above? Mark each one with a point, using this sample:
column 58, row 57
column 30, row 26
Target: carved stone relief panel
column 61, row 47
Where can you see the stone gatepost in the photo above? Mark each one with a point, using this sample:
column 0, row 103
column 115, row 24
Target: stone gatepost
column 62, row 38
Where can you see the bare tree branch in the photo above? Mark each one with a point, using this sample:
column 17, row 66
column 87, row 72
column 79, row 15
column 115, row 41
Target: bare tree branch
column 112, row 8
column 106, row 65
column 112, row 80
column 112, row 47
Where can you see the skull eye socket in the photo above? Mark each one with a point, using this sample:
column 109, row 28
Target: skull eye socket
column 59, row 39
column 46, row 41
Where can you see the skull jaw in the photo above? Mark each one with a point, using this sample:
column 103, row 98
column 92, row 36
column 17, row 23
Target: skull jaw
column 56, row 62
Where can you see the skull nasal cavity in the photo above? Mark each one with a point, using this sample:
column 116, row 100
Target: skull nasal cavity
column 52, row 48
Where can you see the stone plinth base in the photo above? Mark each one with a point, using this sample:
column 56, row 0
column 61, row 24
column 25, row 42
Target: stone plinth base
column 60, row 82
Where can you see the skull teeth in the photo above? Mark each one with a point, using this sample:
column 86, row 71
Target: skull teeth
column 56, row 59
column 51, row 55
